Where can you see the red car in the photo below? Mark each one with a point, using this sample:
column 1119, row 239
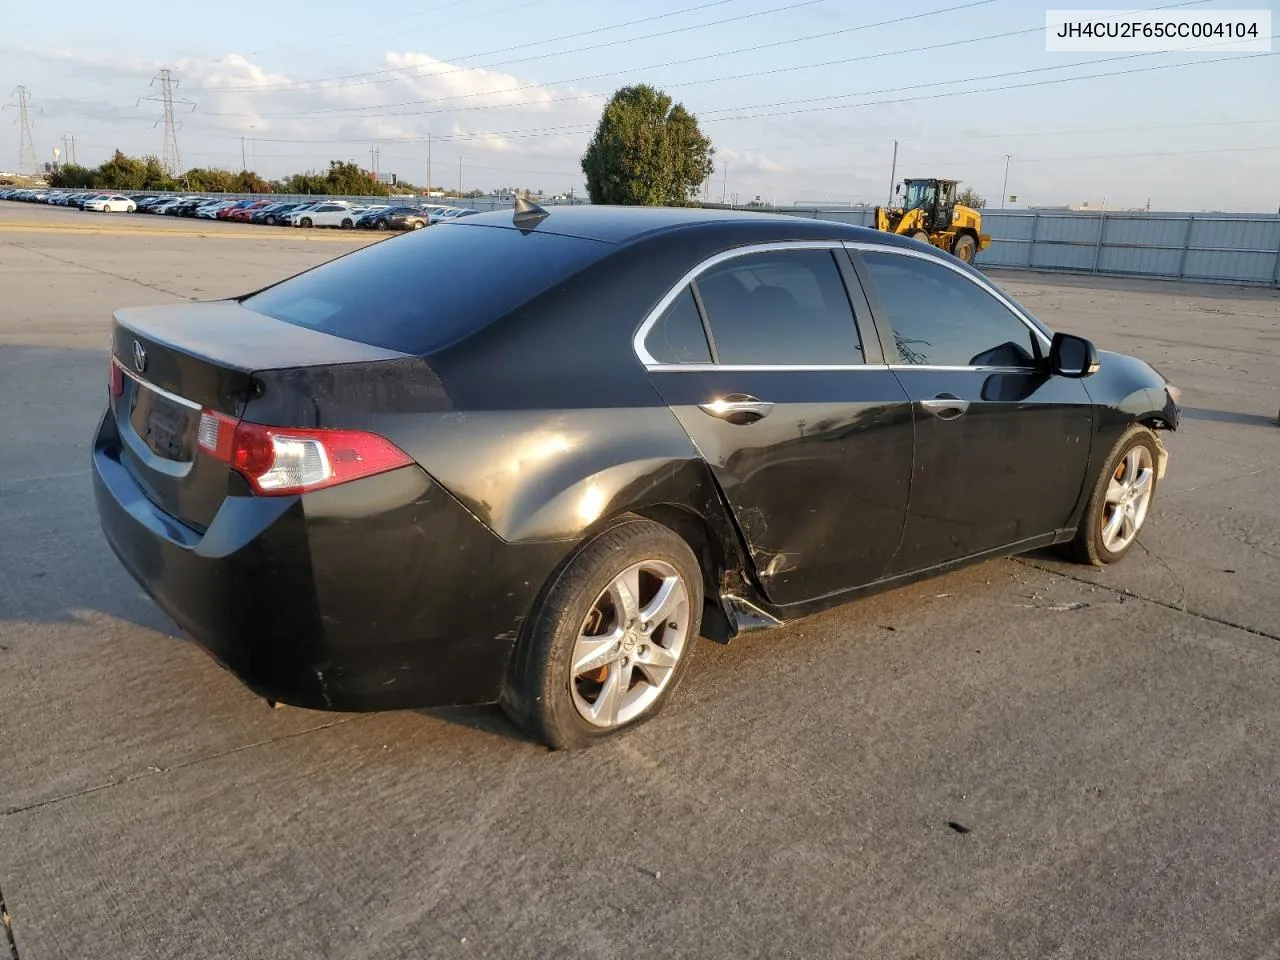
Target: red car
column 225, row 211
column 242, row 214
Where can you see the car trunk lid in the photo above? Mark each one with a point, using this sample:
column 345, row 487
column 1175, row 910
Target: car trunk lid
column 173, row 363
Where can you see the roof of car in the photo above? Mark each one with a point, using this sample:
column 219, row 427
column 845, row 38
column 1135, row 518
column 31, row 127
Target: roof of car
column 624, row 224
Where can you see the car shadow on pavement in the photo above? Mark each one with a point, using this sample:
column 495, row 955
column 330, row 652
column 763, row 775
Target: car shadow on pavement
column 1230, row 416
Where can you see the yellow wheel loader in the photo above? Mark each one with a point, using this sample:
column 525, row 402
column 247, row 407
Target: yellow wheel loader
column 930, row 214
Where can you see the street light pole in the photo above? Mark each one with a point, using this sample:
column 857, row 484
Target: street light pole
column 1004, row 191
column 893, row 172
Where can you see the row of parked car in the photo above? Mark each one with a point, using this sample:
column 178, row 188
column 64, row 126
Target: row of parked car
column 343, row 214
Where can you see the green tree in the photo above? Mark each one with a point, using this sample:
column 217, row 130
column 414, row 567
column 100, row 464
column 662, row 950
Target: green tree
column 122, row 172
column 348, row 179
column 72, row 175
column 309, row 182
column 970, row 198
column 647, row 150
column 202, row 180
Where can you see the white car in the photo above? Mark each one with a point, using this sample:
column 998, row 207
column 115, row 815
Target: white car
column 328, row 215
column 111, row 203
column 210, row 210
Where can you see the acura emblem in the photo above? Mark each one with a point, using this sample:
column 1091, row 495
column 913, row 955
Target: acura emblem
column 139, row 357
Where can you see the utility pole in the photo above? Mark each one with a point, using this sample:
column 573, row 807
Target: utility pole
column 66, row 149
column 893, row 172
column 171, row 158
column 243, row 166
column 1004, row 191
column 459, row 177
column 724, row 184
column 428, row 164
column 27, row 162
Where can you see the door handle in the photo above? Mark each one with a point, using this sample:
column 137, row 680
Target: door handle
column 946, row 406
column 739, row 409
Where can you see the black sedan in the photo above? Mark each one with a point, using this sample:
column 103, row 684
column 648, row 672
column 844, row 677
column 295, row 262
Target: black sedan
column 394, row 218
column 530, row 459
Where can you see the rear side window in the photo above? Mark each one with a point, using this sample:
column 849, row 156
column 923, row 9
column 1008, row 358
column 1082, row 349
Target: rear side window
column 678, row 336
column 782, row 308
column 429, row 288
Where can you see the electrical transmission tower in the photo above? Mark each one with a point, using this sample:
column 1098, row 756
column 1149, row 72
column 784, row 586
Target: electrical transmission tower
column 27, row 162
column 171, row 158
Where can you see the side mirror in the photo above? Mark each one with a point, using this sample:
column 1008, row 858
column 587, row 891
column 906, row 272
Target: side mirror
column 1072, row 356
column 897, row 191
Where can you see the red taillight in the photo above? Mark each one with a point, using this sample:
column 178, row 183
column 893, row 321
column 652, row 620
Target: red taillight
column 284, row 460
column 116, row 378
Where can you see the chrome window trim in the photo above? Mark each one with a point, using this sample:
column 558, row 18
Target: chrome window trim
column 762, row 367
column 959, row 369
column 981, row 284
column 154, row 389
column 637, row 341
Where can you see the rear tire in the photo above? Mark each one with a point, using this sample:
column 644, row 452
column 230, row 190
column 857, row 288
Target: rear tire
column 586, row 665
column 1120, row 502
column 347, row 224
column 920, row 235
column 416, row 225
column 964, row 248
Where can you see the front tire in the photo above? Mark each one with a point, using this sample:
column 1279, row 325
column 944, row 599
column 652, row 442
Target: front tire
column 611, row 638
column 306, row 222
column 1121, row 500
column 920, row 235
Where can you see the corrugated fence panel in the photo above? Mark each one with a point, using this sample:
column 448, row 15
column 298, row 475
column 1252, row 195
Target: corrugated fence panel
column 1145, row 232
column 1230, row 265
column 1068, row 229
column 1063, row 256
column 1143, row 261
column 1005, row 253
column 1253, row 235
column 1008, row 226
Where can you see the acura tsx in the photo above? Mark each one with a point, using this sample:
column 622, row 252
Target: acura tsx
column 530, row 458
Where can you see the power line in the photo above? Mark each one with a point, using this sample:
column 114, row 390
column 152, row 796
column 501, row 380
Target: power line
column 824, row 145
column 708, row 116
column 965, row 93
column 681, row 62
column 347, row 33
column 704, row 114
column 324, row 83
column 470, row 56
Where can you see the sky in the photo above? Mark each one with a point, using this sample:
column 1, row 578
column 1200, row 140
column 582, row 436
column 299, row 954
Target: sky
column 803, row 99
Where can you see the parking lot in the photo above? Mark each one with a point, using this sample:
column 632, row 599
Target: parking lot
column 1023, row 759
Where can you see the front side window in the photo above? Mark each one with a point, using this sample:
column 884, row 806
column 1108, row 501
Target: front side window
column 941, row 318
column 780, row 308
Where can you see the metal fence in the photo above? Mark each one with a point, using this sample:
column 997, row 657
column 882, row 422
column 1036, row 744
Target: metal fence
column 1213, row 248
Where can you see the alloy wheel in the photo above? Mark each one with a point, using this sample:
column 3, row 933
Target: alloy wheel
column 1128, row 497
column 630, row 643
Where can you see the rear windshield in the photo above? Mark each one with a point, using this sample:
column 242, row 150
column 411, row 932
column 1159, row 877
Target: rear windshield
column 428, row 288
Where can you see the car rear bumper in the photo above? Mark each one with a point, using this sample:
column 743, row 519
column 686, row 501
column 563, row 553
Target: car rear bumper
column 384, row 593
